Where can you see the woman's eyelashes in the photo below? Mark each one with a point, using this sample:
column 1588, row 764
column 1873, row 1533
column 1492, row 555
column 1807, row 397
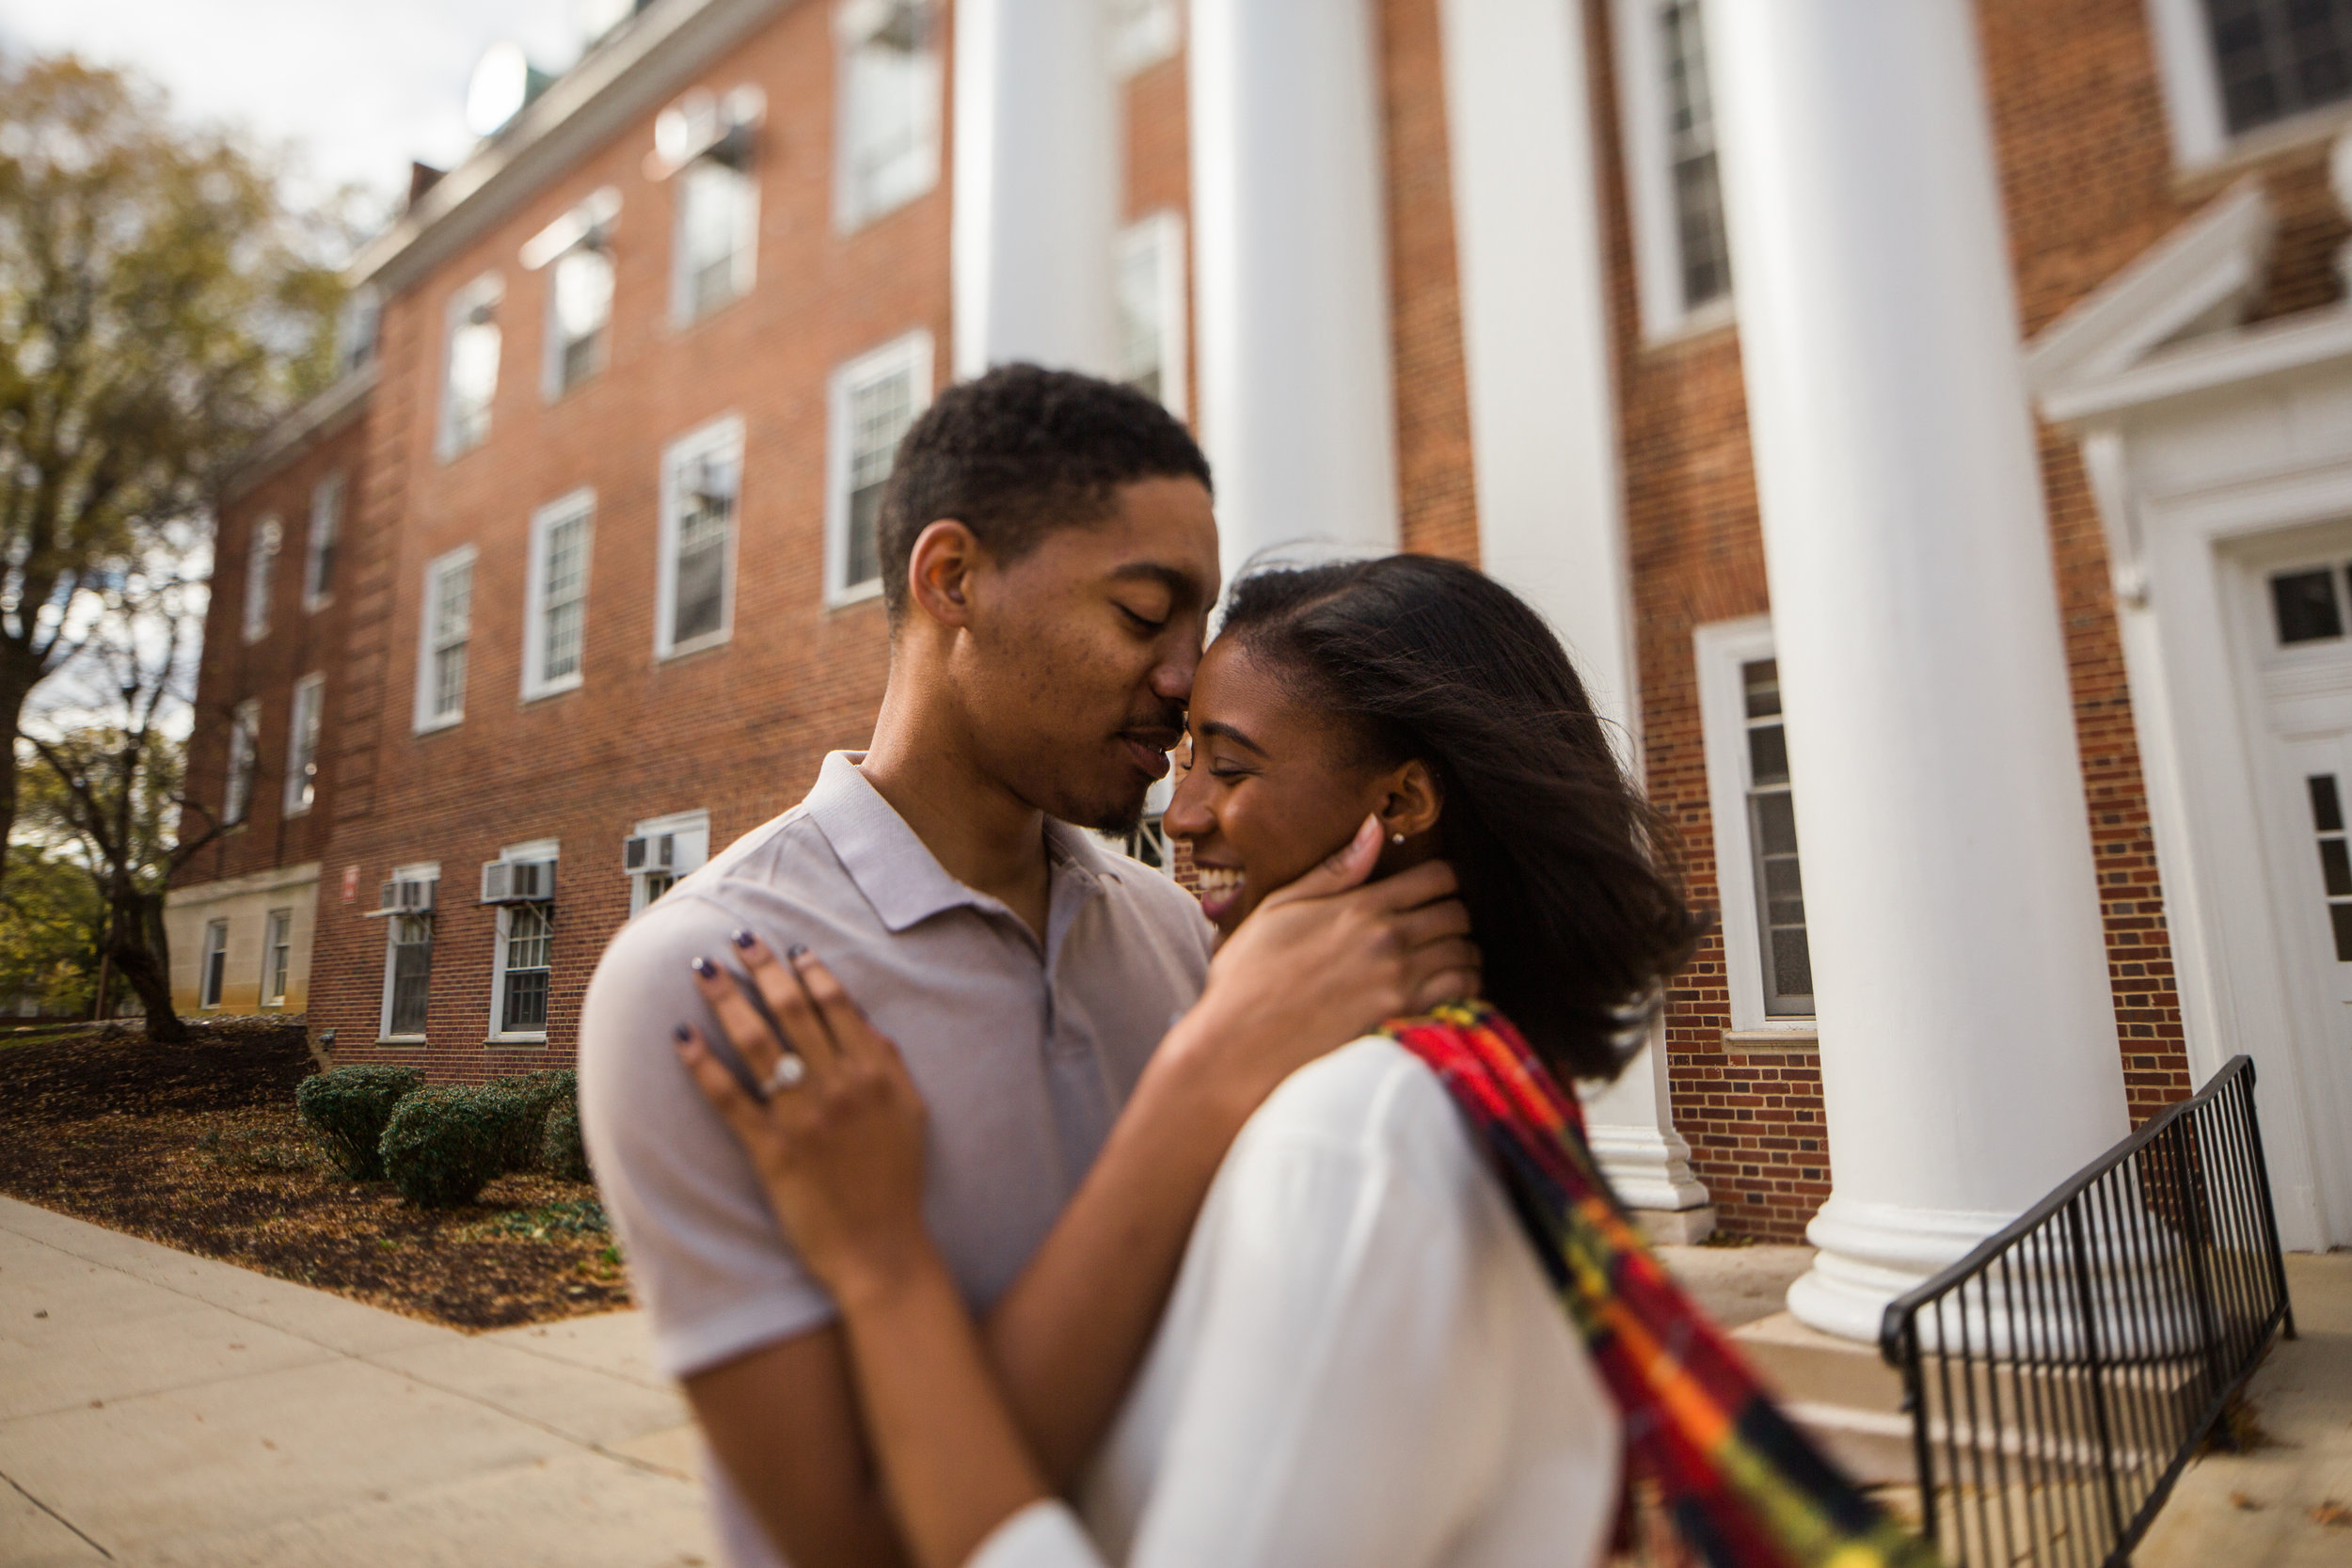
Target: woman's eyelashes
column 1141, row 622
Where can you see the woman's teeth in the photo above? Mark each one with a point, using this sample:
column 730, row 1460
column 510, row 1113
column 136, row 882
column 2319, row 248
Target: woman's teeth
column 1216, row 880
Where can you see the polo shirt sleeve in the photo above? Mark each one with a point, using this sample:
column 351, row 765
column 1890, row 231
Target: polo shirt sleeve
column 705, row 1256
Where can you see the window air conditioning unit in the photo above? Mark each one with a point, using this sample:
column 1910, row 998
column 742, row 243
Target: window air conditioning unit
column 518, row 882
column 649, row 852
column 408, row 897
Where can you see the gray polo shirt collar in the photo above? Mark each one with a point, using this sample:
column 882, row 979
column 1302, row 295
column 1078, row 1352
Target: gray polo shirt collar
column 897, row 874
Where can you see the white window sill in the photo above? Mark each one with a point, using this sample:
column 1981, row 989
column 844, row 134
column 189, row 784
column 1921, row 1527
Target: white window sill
column 699, row 645
column 851, row 220
column 399, row 1039
column 863, row 593
column 448, row 721
column 517, row 1039
column 1715, row 316
column 553, row 689
column 1795, row 1036
column 311, row 607
column 2265, row 142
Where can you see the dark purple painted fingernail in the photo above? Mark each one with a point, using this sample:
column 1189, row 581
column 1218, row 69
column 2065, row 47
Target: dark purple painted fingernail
column 705, row 968
column 796, row 950
column 743, row 937
column 683, row 1034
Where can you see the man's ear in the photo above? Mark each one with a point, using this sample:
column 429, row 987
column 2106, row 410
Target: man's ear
column 940, row 570
column 1411, row 800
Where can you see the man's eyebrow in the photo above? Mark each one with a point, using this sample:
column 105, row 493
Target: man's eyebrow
column 1174, row 578
column 1219, row 728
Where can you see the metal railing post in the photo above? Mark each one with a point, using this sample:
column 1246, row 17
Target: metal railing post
column 2090, row 1351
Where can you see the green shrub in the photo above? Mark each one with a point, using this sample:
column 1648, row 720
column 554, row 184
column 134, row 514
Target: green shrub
column 443, row 1146
column 561, row 1152
column 523, row 1102
column 348, row 1109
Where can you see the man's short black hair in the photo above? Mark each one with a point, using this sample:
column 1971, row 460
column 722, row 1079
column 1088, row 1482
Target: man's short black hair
column 1019, row 452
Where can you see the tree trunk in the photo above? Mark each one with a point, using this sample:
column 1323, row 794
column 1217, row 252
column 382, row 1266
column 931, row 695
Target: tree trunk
column 13, row 691
column 142, row 956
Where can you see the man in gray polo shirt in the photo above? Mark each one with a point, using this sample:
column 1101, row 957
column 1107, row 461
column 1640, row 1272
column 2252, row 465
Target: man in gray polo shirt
column 1049, row 561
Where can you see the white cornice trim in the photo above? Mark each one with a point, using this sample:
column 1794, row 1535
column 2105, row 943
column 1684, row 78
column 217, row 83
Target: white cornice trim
column 2207, row 267
column 2290, row 343
column 323, row 415
column 665, row 46
column 271, row 880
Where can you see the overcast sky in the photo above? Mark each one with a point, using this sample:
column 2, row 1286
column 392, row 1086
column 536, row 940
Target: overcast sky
column 358, row 89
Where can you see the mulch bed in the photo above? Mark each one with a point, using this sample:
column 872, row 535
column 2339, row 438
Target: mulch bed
column 197, row 1146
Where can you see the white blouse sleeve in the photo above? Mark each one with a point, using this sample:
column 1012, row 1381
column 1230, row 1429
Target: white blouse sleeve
column 1045, row 1534
column 1334, row 1412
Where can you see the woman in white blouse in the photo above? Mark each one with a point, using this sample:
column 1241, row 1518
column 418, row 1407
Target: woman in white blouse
column 1362, row 1363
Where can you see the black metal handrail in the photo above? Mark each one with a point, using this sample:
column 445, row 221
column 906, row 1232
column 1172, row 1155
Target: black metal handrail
column 2060, row 1376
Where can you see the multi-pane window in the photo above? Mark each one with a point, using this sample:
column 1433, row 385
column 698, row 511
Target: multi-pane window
column 718, row 230
column 215, row 964
column 277, row 957
column 556, row 617
column 701, row 487
column 889, row 97
column 1787, row 961
column 1699, row 205
column 1142, row 33
column 260, row 576
column 875, row 398
column 2277, row 59
column 245, row 751
column 580, row 313
column 408, row 973
column 327, row 527
column 471, row 366
column 2335, row 859
column 448, row 624
column 302, row 744
column 526, row 942
column 1151, row 298
column 661, row 852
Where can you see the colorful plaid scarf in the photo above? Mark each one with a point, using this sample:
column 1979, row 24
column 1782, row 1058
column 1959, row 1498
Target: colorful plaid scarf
column 1743, row 1488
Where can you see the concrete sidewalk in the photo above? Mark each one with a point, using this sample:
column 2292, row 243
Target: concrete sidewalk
column 159, row 1408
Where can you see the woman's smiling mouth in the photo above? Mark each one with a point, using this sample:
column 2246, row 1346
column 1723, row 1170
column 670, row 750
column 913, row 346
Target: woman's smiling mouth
column 1220, row 888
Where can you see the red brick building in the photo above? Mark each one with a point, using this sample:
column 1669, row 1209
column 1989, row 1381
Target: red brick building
column 1473, row 277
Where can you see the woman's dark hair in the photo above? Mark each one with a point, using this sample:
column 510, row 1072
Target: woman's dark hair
column 1573, row 898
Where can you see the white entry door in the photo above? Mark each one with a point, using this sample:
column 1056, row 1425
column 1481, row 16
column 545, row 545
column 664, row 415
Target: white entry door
column 2300, row 612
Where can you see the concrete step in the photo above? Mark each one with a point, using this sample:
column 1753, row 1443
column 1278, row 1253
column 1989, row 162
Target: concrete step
column 1808, row 1367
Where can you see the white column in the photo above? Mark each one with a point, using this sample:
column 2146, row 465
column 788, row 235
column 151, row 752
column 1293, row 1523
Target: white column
column 1291, row 270
column 1543, row 415
column 1036, row 185
column 1969, row 1059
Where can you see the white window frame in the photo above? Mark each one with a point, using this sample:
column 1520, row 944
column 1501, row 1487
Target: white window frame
column 1642, row 106
column 586, row 227
column 911, row 354
column 746, row 257
column 260, row 576
column 305, row 722
column 1722, row 649
column 420, row 871
column 580, row 506
column 1142, row 33
column 211, row 976
column 487, row 290
column 1163, row 232
column 2192, row 96
column 245, row 760
column 276, row 938
column 717, row 436
column 426, row 720
column 692, row 829
column 856, row 22
column 537, row 849
column 325, row 537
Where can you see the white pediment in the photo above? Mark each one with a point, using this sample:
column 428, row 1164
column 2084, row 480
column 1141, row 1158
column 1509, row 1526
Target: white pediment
column 2171, row 323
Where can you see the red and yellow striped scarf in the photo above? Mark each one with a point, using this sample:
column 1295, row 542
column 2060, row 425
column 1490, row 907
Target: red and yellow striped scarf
column 1743, row 1488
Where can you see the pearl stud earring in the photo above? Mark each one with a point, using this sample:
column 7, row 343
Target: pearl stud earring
column 1397, row 838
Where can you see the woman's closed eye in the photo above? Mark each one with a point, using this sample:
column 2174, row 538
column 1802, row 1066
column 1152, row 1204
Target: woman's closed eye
column 1141, row 622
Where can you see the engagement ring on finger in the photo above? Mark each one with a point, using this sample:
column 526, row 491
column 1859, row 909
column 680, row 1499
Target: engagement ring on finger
column 788, row 1071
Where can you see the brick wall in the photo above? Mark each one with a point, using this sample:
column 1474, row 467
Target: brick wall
column 737, row 730
column 300, row 641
